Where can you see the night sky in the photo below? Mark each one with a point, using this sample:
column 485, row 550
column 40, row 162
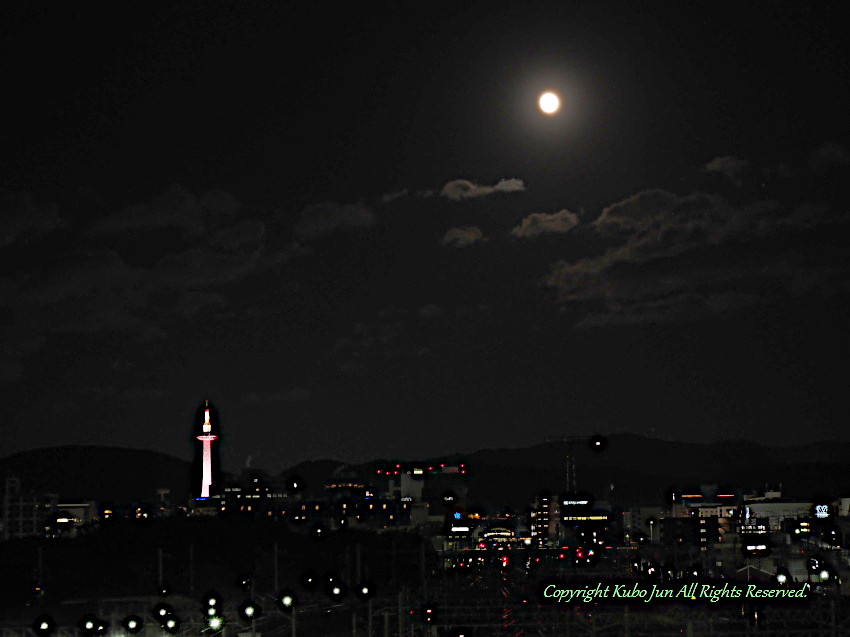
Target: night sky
column 351, row 228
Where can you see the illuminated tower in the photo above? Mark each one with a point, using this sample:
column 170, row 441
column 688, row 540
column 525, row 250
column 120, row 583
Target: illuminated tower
column 207, row 438
column 206, row 462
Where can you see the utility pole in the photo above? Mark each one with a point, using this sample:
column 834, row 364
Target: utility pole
column 191, row 570
column 400, row 614
column 393, row 543
column 41, row 566
column 347, row 570
column 251, row 597
column 276, row 583
column 357, row 573
column 423, row 571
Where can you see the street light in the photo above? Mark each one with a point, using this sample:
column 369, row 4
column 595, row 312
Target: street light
column 336, row 590
column 782, row 576
column 171, row 624
column 133, row 624
column 215, row 623
column 651, row 522
column 90, row 625
column 249, row 611
column 365, row 591
column 161, row 611
column 212, row 599
column 44, row 625
column 286, row 601
column 309, row 579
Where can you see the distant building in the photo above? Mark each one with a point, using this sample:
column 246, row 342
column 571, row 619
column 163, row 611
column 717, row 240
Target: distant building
column 641, row 522
column 70, row 518
column 25, row 512
column 775, row 511
column 540, row 519
column 254, row 494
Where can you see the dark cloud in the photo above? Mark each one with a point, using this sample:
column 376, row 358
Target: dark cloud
column 219, row 204
column 189, row 304
column 391, row 335
column 175, row 208
column 392, row 196
column 540, row 223
column 431, row 311
column 636, row 212
column 21, row 219
column 15, row 344
column 320, row 220
column 85, row 291
column 461, row 189
column 829, row 155
column 203, row 267
column 462, row 237
column 732, row 168
column 682, row 307
column 684, row 257
column 78, row 274
column 246, row 232
column 10, row 371
column 116, row 311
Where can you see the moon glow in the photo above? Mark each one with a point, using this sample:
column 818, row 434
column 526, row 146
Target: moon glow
column 549, row 103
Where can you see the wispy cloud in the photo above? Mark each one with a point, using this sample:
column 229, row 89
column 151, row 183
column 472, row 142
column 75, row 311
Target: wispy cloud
column 319, row 220
column 462, row 237
column 460, row 189
column 541, row 223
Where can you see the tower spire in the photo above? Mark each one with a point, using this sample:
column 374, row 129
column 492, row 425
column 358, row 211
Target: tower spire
column 206, row 438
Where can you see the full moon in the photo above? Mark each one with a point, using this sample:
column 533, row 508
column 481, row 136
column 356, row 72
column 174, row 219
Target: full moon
column 549, row 103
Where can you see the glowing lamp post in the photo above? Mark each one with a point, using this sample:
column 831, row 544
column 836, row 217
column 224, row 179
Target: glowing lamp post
column 207, row 438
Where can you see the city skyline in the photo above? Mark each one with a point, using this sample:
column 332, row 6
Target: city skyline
column 359, row 237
